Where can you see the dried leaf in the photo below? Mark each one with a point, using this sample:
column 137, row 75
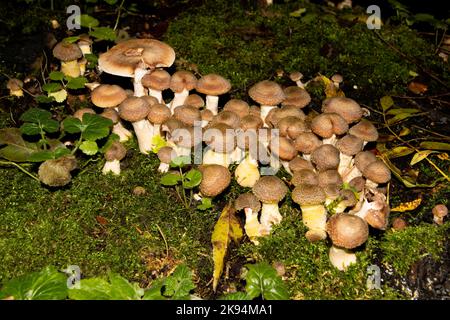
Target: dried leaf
column 404, row 132
column 397, row 111
column 386, row 102
column 330, row 88
column 417, row 87
column 399, row 117
column 419, row 156
column 443, row 156
column 398, row 152
column 102, row 220
column 226, row 229
column 408, row 206
column 433, row 145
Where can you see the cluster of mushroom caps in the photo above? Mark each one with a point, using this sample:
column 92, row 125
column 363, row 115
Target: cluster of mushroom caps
column 331, row 174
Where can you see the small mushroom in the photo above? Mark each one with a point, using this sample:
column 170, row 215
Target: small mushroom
column 156, row 81
column 213, row 85
column 251, row 206
column 56, row 172
column 306, row 143
column 325, row 157
column 113, row 155
column 296, row 97
column 240, row 107
column 364, row 130
column 328, row 126
column 166, row 155
column 439, row 213
column 68, row 54
column 268, row 94
column 270, row 190
column 347, row 108
column 297, row 77
column 158, row 114
column 194, row 100
column 221, row 141
column 15, row 87
column 349, row 145
column 215, row 179
column 181, row 83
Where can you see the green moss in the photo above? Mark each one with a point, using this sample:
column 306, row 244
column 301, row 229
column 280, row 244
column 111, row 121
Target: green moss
column 401, row 249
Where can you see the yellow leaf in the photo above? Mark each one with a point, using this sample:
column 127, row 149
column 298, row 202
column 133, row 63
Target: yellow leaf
column 226, row 229
column 398, row 152
column 330, row 88
column 408, row 206
column 157, row 143
column 404, row 132
column 386, row 102
column 443, row 156
column 419, row 156
column 60, row 96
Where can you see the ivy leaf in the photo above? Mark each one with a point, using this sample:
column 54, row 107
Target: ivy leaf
column 51, row 87
column 103, row 33
column 226, row 229
column 205, row 205
column 60, row 95
column 44, row 99
column 235, row 296
column 88, row 22
column 72, row 125
column 121, row 289
column 95, row 126
column 89, row 147
column 56, row 75
column 179, row 284
column 386, row 103
column 155, row 291
column 76, row 83
column 170, row 179
column 263, row 280
column 91, row 289
column 192, row 179
column 180, row 162
column 48, row 284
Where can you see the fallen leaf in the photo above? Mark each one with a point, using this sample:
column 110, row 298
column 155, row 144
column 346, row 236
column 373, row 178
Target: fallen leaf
column 443, row 156
column 398, row 152
column 408, row 206
column 386, row 102
column 417, row 87
column 419, row 156
column 433, row 145
column 101, row 220
column 404, row 132
column 330, row 88
column 226, row 229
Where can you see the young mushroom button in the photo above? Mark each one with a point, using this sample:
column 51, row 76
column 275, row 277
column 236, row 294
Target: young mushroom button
column 113, row 155
column 268, row 94
column 213, row 85
column 157, row 81
column 181, row 83
column 251, row 206
column 347, row 108
column 68, row 54
column 215, row 179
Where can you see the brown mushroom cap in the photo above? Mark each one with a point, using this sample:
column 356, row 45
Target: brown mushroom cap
column 329, row 177
column 183, row 80
column 363, row 159
column 284, row 148
column 134, row 109
column 122, row 59
column 166, row 154
column 348, row 198
column 325, row 157
column 213, row 84
column 159, row 113
column 247, row 200
column 194, row 100
column 240, row 107
column 291, row 127
column 358, row 183
column 206, row 115
column 267, row 93
column 399, row 224
column 185, row 137
column 220, row 137
column 108, row 96
column 308, row 195
column 295, row 76
column 150, row 100
column 440, row 210
column 298, row 163
column 327, row 124
column 111, row 114
column 14, row 84
column 337, row 78
column 215, row 180
column 251, row 122
column 171, row 124
column 80, row 112
column 349, row 145
column 364, row 130
column 347, row 230
column 158, row 80
column 296, row 96
column 270, row 189
column 115, row 152
column 304, row 176
column 331, row 191
column 377, row 171
column 307, row 142
column 228, row 117
column 187, row 114
column 347, row 108
column 255, row 110
column 65, row 51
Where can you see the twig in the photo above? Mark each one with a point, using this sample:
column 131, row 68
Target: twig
column 118, row 15
column 20, row 168
column 165, row 241
column 432, row 132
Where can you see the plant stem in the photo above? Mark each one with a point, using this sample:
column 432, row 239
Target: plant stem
column 20, row 168
column 118, row 15
column 77, row 145
column 164, row 238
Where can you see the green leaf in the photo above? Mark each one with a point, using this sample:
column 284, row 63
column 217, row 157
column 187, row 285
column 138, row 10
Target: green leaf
column 56, row 75
column 52, row 87
column 103, row 33
column 402, row 110
column 88, row 22
column 398, row 152
column 71, row 40
column 205, row 205
column 89, row 147
column 180, row 162
column 48, row 284
column 36, row 115
column 91, row 289
column 179, row 284
column 158, row 142
column 192, row 179
column 17, row 149
column 112, row 137
column 433, row 145
column 297, row 13
column 72, row 125
column 41, row 156
column 60, row 152
column 44, row 99
column 60, row 95
column 263, row 280
column 76, row 83
column 121, row 289
column 30, row 129
column 170, row 179
column 235, row 296
column 92, row 60
column 399, row 117
column 95, row 126
column 386, row 102
column 421, row 155
column 155, row 291
column 111, row 2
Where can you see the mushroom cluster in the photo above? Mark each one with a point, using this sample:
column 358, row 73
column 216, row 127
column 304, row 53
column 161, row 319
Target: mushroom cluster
column 337, row 184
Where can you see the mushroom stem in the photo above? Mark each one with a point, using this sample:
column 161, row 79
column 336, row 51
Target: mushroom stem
column 247, row 172
column 213, row 157
column 178, row 99
column 270, row 215
column 144, row 133
column 345, row 164
column 264, row 112
column 112, row 166
column 122, row 132
column 82, row 65
column 85, row 48
column 139, row 73
column 351, row 174
column 252, row 227
column 331, row 140
column 182, row 151
column 157, row 94
column 300, row 84
column 315, row 219
column 286, row 167
column 163, row 167
column 212, row 103
column 341, row 258
column 70, row 68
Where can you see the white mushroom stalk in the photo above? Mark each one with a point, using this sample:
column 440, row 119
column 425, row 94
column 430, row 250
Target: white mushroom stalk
column 156, row 94
column 139, row 73
column 212, row 103
column 123, row 133
column 247, row 172
column 163, row 167
column 341, row 258
column 270, row 215
column 178, row 99
column 112, row 166
column 253, row 228
column 213, row 157
column 346, row 164
column 144, row 131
